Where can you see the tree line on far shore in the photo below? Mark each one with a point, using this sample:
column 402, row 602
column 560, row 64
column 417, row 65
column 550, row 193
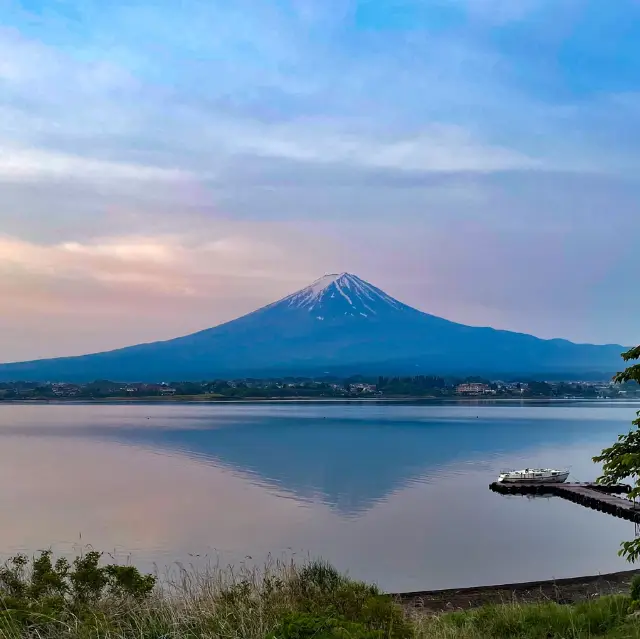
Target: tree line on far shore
column 326, row 387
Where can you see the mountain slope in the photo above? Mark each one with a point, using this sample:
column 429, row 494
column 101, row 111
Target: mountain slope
column 339, row 323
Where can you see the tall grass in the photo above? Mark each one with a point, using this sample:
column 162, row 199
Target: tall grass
column 85, row 599
column 603, row 617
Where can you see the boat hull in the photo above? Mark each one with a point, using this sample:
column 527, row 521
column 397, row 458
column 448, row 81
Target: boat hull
column 555, row 479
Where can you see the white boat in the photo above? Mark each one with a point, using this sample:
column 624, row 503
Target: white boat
column 534, row 476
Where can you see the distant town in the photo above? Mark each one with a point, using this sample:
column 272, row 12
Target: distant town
column 324, row 388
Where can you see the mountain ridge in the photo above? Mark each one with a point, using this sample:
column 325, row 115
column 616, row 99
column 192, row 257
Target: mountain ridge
column 338, row 322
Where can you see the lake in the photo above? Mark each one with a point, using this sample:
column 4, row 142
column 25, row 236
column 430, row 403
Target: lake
column 392, row 493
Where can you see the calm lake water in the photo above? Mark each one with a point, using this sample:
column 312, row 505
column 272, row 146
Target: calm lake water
column 392, row 493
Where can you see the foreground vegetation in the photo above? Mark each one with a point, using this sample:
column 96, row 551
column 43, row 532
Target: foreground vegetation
column 86, row 599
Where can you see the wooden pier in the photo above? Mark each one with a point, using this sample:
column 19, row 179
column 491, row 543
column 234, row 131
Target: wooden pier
column 606, row 499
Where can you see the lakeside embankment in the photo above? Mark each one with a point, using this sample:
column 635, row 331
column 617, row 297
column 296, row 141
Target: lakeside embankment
column 562, row 591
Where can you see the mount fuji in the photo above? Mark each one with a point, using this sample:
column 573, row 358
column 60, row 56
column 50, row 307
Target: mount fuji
column 340, row 324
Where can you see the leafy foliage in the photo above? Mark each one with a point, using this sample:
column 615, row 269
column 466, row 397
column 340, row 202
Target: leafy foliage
column 44, row 591
column 631, row 373
column 634, row 591
column 315, row 600
column 622, row 460
column 305, row 626
column 319, row 577
column 323, row 592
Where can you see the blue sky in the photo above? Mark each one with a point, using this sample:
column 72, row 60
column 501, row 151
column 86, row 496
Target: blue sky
column 165, row 166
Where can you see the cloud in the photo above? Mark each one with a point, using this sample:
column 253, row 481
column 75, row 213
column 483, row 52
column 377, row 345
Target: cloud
column 164, row 264
column 148, row 286
column 438, row 149
column 127, row 113
column 127, row 250
column 457, row 112
column 20, row 164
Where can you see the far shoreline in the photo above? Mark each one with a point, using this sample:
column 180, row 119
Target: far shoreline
column 195, row 399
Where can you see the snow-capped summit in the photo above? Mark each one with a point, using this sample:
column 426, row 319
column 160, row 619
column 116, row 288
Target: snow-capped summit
column 342, row 294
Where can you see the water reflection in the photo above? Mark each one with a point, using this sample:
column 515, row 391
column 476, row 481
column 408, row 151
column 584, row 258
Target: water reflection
column 396, row 494
column 351, row 458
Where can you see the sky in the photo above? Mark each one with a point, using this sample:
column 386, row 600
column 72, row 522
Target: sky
column 166, row 166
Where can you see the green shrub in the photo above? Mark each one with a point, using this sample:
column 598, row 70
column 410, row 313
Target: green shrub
column 324, row 593
column 316, row 595
column 305, row 626
column 635, row 589
column 40, row 592
column 319, row 576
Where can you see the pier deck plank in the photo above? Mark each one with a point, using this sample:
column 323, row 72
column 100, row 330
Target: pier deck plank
column 598, row 497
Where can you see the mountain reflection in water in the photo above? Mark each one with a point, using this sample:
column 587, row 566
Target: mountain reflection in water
column 395, row 493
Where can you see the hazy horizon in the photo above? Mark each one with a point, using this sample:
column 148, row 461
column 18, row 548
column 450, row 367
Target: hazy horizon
column 165, row 168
